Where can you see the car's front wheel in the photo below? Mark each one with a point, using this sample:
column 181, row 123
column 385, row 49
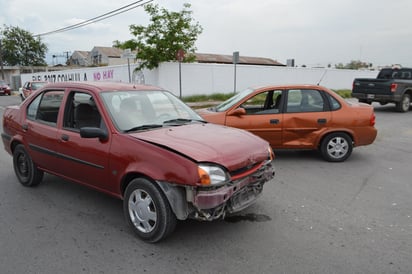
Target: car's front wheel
column 336, row 147
column 26, row 171
column 147, row 210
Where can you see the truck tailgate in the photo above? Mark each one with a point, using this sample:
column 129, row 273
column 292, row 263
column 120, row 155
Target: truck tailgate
column 372, row 86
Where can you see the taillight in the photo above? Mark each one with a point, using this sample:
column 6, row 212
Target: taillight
column 393, row 87
column 372, row 120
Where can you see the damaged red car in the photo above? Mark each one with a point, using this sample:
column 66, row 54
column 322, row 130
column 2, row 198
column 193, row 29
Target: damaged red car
column 141, row 144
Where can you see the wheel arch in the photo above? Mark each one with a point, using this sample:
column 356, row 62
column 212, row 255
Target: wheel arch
column 408, row 91
column 349, row 133
column 14, row 144
column 176, row 195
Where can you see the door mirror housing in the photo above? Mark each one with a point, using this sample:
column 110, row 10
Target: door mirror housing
column 238, row 112
column 93, row 132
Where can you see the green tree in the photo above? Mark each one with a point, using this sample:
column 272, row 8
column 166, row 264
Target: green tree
column 166, row 33
column 21, row 48
column 354, row 64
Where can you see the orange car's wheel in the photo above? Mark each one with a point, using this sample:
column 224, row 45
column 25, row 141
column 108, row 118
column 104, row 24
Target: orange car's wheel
column 147, row 210
column 26, row 171
column 336, row 147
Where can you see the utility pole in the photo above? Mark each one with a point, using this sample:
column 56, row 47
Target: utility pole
column 180, row 56
column 235, row 61
column 65, row 54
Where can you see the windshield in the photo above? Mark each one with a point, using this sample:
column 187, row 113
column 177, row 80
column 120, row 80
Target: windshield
column 38, row 85
column 233, row 100
column 143, row 110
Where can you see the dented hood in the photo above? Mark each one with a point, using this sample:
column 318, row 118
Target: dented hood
column 229, row 147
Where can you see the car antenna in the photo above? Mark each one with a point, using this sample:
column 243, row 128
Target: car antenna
column 321, row 78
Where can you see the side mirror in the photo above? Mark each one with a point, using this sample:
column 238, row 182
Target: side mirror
column 93, row 132
column 237, row 112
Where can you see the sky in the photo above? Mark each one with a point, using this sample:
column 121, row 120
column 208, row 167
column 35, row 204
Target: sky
column 312, row 32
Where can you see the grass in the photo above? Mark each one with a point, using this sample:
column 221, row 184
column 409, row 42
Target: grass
column 205, row 98
column 345, row 93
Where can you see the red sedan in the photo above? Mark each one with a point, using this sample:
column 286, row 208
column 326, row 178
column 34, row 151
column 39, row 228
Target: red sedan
column 140, row 144
column 4, row 88
column 299, row 117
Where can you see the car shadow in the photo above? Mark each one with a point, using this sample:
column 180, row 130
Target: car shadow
column 297, row 155
column 386, row 108
column 100, row 212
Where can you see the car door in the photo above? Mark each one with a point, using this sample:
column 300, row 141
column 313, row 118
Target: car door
column 306, row 117
column 84, row 160
column 40, row 127
column 263, row 116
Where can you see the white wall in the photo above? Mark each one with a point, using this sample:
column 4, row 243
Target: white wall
column 209, row 78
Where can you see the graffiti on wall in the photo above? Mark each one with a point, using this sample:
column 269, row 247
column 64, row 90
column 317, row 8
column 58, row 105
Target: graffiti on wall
column 105, row 75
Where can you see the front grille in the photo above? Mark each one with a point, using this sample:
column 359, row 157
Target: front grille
column 243, row 170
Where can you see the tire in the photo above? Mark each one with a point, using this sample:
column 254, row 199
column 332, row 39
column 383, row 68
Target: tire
column 26, row 171
column 147, row 211
column 404, row 104
column 336, row 147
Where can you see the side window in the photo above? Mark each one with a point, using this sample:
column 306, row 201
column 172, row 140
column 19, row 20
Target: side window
column 305, row 101
column 255, row 103
column 32, row 109
column 267, row 102
column 334, row 104
column 45, row 108
column 81, row 111
column 294, row 100
column 315, row 101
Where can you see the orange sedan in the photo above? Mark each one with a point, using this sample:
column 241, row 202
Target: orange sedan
column 299, row 117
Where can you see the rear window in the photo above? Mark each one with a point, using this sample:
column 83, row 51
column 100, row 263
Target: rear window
column 395, row 74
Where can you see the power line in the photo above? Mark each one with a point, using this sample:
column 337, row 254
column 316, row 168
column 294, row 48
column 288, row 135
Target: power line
column 98, row 18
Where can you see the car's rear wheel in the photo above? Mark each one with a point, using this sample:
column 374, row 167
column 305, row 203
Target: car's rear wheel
column 404, row 104
column 147, row 211
column 26, row 171
column 336, row 147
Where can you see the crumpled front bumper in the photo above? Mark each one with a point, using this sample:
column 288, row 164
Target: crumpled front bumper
column 241, row 193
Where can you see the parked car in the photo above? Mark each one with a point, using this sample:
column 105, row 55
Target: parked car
column 141, row 144
column 29, row 87
column 299, row 117
column 4, row 88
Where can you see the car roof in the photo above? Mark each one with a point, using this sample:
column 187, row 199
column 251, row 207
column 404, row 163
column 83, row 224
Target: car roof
column 102, row 86
column 290, row 86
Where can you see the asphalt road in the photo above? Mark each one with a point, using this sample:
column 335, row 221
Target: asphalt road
column 314, row 217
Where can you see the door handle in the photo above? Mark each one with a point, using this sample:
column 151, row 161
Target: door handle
column 65, row 137
column 322, row 121
column 274, row 121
